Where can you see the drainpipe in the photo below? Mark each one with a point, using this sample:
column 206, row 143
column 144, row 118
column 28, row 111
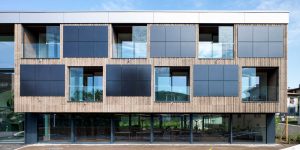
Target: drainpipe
column 286, row 129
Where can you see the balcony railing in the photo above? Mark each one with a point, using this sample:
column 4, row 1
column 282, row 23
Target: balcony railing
column 41, row 50
column 86, row 93
column 130, row 49
column 172, row 93
column 215, row 50
column 260, row 93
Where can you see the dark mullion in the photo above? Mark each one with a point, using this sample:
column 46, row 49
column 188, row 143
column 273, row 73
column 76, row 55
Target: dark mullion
column 230, row 129
column 151, row 128
column 112, row 129
column 191, row 129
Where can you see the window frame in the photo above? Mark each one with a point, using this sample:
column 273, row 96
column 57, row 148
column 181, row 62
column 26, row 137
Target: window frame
column 265, row 100
column 44, row 26
column 187, row 68
column 115, row 50
column 83, row 78
column 212, row 51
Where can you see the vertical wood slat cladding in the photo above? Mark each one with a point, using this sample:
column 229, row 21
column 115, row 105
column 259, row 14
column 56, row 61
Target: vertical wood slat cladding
column 148, row 104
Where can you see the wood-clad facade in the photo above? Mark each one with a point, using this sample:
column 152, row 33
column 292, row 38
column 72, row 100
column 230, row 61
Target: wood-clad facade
column 126, row 104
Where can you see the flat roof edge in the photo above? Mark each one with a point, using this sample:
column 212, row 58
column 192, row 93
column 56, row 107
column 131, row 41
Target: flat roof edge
column 146, row 17
column 171, row 11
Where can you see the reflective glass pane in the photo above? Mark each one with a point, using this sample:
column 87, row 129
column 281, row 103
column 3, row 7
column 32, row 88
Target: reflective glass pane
column 211, row 128
column 249, row 128
column 216, row 42
column 92, row 128
column 205, row 49
column 217, row 50
column 260, row 84
column 11, row 123
column 7, row 46
column 227, row 50
column 76, row 84
column 127, row 49
column 140, row 49
column 41, row 41
column 172, row 84
column 171, row 128
column 132, row 127
column 52, row 41
column 130, row 41
column 139, row 33
column 6, row 54
column 225, row 34
column 54, row 128
column 86, row 84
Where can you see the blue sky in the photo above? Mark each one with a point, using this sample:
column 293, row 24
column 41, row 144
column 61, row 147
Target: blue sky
column 92, row 5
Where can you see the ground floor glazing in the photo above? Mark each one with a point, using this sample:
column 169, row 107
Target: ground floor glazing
column 149, row 128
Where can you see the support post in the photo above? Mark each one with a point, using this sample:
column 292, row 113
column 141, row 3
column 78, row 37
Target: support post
column 286, row 128
column 191, row 128
column 72, row 121
column 230, row 129
column 151, row 128
column 270, row 136
column 112, row 129
column 31, row 128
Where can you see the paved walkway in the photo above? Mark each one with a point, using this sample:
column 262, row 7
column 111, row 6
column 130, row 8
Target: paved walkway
column 10, row 146
column 296, row 147
column 152, row 147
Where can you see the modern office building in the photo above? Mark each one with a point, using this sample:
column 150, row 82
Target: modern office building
column 143, row 76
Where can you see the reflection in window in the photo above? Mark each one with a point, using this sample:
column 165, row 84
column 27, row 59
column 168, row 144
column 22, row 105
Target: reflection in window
column 260, row 84
column 6, row 46
column 211, row 128
column 249, row 128
column 54, row 128
column 132, row 127
column 172, row 83
column 130, row 41
column 216, row 42
column 41, row 41
column 92, row 128
column 171, row 128
column 11, row 123
column 86, row 84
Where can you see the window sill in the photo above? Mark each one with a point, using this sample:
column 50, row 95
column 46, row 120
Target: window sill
column 172, row 101
column 85, row 101
column 217, row 58
column 41, row 58
column 260, row 101
column 129, row 58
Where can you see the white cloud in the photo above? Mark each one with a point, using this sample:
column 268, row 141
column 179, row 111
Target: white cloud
column 293, row 6
column 115, row 5
column 289, row 5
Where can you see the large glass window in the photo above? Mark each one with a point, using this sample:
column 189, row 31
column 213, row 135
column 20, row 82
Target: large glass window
column 11, row 123
column 130, row 41
column 171, row 128
column 41, row 41
column 249, row 128
column 260, row 84
column 86, row 84
column 54, row 128
column 92, row 128
column 172, row 84
column 216, row 42
column 132, row 127
column 7, row 46
column 211, row 128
